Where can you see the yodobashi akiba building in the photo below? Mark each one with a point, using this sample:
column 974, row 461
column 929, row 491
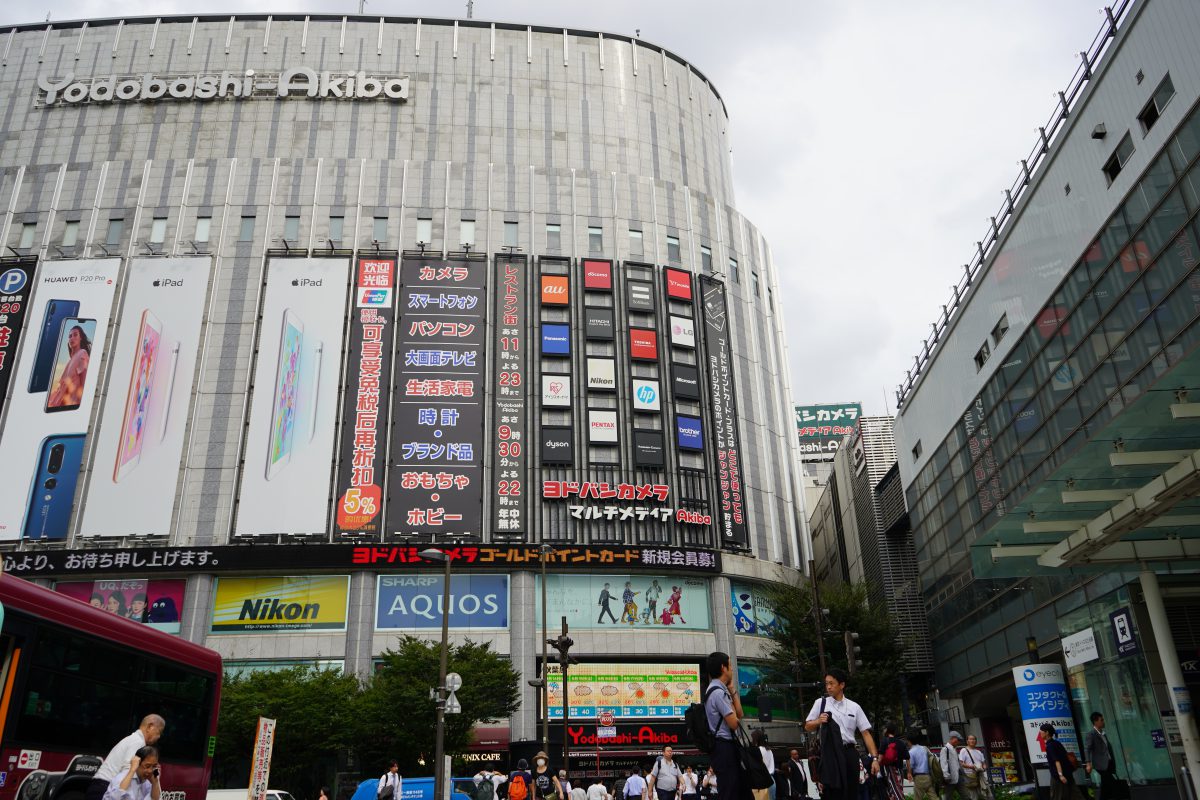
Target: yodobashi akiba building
column 357, row 286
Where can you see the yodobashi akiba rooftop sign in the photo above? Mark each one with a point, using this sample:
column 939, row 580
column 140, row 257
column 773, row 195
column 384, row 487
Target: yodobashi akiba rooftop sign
column 248, row 85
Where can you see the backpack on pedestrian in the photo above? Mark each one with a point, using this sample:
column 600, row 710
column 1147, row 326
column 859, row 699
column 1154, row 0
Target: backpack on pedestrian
column 485, row 791
column 936, row 776
column 517, row 788
column 695, row 718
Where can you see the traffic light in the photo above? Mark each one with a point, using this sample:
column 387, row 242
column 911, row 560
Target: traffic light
column 563, row 645
column 853, row 662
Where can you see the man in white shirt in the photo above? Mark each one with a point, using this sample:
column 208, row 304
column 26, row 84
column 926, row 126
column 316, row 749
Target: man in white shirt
column 391, row 784
column 850, row 719
column 139, row 779
column 951, row 766
column 118, row 758
column 665, row 777
column 597, row 791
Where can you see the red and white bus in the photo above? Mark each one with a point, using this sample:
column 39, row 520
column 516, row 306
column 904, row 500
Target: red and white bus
column 75, row 680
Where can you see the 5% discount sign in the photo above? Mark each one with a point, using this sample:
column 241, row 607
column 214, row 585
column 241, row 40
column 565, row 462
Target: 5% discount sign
column 607, row 726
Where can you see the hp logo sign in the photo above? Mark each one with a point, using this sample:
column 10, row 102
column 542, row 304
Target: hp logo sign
column 646, row 394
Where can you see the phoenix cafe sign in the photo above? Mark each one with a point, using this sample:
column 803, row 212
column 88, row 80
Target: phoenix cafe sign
column 295, row 82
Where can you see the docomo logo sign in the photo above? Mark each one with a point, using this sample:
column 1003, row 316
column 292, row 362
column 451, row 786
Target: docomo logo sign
column 597, row 275
column 300, row 81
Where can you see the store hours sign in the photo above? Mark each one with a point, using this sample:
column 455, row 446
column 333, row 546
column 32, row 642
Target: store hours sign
column 436, row 456
column 510, row 384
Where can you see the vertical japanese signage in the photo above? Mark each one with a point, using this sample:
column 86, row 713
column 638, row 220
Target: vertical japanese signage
column 435, row 482
column 724, row 412
column 509, row 387
column 365, row 403
column 15, row 284
column 989, row 492
column 260, row 768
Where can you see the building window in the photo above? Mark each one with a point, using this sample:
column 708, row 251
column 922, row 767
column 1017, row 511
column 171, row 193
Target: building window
column 1000, row 329
column 916, row 451
column 512, row 233
column 158, row 230
column 635, row 241
column 706, row 258
column 337, row 226
column 246, row 232
column 71, row 233
column 754, row 280
column 1154, row 109
column 595, row 239
column 466, row 232
column 673, row 249
column 553, row 236
column 424, row 230
column 116, row 227
column 203, row 228
column 770, row 299
column 291, row 229
column 28, row 231
column 733, row 270
column 379, row 229
column 982, row 356
column 1119, row 158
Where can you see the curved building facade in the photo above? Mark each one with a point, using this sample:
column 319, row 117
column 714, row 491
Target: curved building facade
column 299, row 296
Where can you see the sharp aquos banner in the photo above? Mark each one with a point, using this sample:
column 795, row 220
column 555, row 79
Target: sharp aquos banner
column 289, row 443
column 140, row 439
column 16, row 282
column 47, row 418
column 724, row 412
column 435, row 483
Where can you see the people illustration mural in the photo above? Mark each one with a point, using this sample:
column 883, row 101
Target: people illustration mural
column 653, row 611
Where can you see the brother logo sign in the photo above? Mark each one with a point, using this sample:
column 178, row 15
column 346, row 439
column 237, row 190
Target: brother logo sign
column 294, row 82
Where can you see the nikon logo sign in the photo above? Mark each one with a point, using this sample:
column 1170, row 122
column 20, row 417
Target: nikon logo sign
column 248, row 85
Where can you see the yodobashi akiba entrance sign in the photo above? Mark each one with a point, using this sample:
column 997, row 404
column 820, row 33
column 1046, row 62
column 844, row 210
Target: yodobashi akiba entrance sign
column 248, row 85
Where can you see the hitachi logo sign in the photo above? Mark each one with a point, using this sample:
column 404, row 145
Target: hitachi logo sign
column 271, row 609
column 295, row 82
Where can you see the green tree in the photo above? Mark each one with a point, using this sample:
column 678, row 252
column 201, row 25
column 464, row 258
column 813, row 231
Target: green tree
column 314, row 710
column 397, row 718
column 875, row 684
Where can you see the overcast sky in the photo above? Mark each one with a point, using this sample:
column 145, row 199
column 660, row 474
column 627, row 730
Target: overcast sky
column 871, row 140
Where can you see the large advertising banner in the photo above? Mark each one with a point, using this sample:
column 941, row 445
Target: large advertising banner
column 627, row 691
column 16, row 283
column 753, row 612
column 650, row 602
column 289, row 445
column 305, row 603
column 510, row 385
column 724, row 413
column 140, row 437
column 156, row 602
column 48, row 413
column 435, row 485
column 414, row 602
column 821, row 428
column 1043, row 698
column 364, row 414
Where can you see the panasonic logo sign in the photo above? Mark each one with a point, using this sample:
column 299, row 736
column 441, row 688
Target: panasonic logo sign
column 294, row 82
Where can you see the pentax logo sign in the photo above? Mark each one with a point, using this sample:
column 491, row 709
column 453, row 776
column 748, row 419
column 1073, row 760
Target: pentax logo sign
column 249, row 85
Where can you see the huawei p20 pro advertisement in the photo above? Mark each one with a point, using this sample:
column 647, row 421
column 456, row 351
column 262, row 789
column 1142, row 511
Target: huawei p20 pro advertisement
column 46, row 423
column 289, row 444
column 140, row 437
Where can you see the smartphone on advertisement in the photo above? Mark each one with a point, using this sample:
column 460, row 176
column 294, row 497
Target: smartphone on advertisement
column 43, row 357
column 72, row 364
column 53, row 491
column 137, row 400
column 283, row 410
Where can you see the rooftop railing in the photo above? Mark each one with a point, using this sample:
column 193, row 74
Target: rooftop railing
column 1030, row 165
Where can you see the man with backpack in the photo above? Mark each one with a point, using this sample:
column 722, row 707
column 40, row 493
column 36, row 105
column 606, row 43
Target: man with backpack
column 920, row 761
column 665, row 779
column 839, row 719
column 391, row 784
column 519, row 781
column 952, row 767
column 723, row 713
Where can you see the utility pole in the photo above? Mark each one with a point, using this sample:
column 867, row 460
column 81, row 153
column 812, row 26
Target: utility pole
column 563, row 645
column 818, row 616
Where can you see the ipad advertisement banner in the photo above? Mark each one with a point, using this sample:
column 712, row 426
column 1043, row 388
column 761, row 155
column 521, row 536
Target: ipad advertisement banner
column 140, row 436
column 289, row 444
column 16, row 282
column 46, row 425
column 363, row 453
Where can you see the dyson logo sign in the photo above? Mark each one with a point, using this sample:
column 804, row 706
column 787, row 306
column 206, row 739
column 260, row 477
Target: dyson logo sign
column 294, row 82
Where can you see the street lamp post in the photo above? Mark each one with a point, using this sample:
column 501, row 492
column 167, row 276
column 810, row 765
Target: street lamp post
column 439, row 772
column 545, row 550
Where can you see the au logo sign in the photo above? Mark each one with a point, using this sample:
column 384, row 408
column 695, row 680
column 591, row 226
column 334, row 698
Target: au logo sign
column 555, row 290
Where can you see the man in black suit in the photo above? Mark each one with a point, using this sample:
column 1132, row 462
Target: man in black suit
column 1099, row 757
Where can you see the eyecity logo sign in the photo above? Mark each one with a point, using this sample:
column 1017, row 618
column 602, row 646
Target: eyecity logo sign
column 292, row 82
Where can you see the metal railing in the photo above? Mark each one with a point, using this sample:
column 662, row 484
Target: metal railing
column 1088, row 58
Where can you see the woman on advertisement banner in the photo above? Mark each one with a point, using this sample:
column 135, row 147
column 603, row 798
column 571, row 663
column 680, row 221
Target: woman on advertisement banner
column 69, row 389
